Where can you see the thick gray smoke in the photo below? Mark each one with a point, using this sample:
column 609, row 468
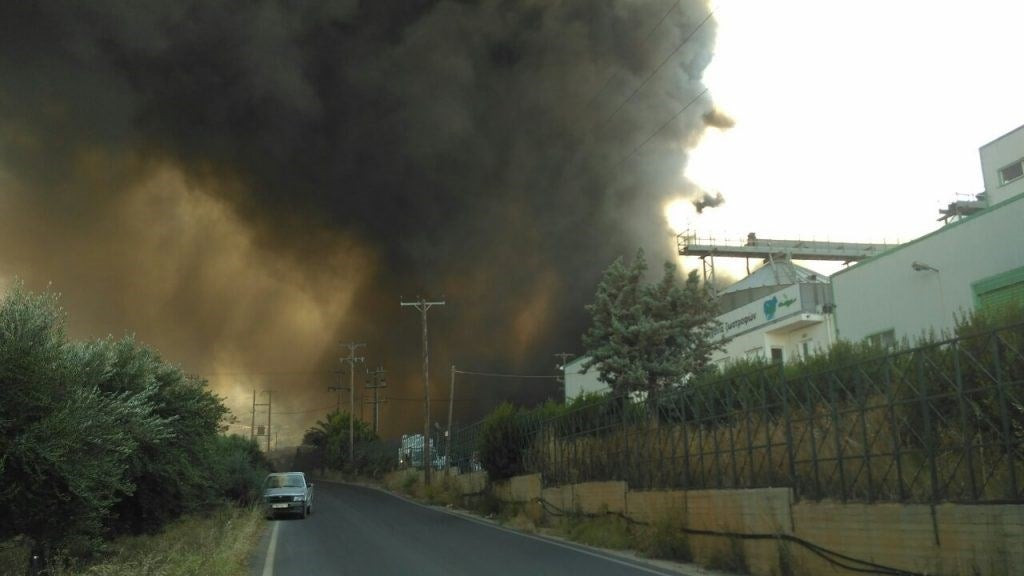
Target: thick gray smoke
column 247, row 183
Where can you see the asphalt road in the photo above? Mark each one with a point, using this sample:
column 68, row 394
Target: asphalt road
column 358, row 530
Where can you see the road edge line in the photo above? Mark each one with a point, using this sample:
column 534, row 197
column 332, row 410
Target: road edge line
column 581, row 548
column 268, row 564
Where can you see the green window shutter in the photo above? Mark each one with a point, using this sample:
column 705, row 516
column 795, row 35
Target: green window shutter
column 1001, row 298
column 997, row 293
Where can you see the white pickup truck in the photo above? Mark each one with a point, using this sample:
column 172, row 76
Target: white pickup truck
column 287, row 493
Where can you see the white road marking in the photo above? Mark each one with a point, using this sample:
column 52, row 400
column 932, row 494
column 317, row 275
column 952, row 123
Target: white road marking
column 268, row 565
column 468, row 518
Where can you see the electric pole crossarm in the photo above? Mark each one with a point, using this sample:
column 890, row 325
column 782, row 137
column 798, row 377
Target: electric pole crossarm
column 422, row 305
column 352, row 359
column 375, row 381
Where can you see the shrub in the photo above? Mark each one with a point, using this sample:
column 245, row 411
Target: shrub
column 103, row 437
column 502, row 443
column 665, row 539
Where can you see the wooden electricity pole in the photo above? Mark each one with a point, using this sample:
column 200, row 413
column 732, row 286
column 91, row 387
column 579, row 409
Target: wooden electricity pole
column 448, row 431
column 423, row 305
column 375, row 381
column 338, row 389
column 352, row 359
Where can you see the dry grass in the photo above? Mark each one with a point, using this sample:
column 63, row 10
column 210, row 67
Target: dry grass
column 664, row 539
column 608, row 531
column 219, row 544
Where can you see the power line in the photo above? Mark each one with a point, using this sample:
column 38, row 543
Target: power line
column 310, row 411
column 266, row 373
column 352, row 359
column 643, row 84
column 660, row 128
column 650, row 33
column 499, row 375
column 423, row 305
column 657, row 69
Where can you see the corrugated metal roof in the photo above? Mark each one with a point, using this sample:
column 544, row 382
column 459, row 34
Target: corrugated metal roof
column 777, row 273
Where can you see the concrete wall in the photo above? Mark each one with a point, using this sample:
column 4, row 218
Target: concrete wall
column 886, row 292
column 947, row 540
column 471, row 483
column 996, row 155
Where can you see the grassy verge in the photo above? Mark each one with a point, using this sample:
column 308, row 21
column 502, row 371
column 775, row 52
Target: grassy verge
column 218, row 544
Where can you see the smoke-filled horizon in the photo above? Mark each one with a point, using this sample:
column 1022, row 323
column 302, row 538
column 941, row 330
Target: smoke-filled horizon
column 245, row 185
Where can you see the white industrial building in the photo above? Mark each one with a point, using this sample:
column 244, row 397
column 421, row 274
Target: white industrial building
column 578, row 383
column 780, row 312
column 975, row 260
column 783, row 311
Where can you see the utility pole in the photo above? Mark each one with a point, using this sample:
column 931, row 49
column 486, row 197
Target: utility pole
column 563, row 357
column 423, row 305
column 448, row 433
column 338, row 389
column 352, row 359
column 252, row 429
column 375, row 381
column 254, row 406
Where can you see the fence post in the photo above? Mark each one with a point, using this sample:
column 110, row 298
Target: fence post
column 810, row 433
column 751, row 481
column 1004, row 416
column 967, row 439
column 790, row 447
column 624, row 460
column 730, row 410
column 862, row 407
column 766, row 419
column 687, row 479
column 836, row 434
column 894, row 424
column 929, row 438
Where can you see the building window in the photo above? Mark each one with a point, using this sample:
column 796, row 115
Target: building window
column 999, row 292
column 776, row 354
column 805, row 348
column 1011, row 172
column 885, row 339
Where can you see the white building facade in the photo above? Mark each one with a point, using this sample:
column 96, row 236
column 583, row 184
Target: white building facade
column 1002, row 166
column 578, row 383
column 780, row 312
column 924, row 285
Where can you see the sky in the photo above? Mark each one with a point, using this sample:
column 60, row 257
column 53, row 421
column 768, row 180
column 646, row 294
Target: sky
column 855, row 121
column 243, row 187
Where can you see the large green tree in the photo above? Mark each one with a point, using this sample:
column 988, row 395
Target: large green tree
column 649, row 337
column 331, row 436
column 103, row 437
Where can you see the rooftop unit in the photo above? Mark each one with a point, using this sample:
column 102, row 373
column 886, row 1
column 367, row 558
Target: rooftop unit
column 963, row 208
column 770, row 249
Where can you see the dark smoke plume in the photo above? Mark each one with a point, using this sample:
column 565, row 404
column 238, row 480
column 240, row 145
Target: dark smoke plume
column 247, row 183
column 708, row 200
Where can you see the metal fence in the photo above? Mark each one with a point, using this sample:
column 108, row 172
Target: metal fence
column 941, row 422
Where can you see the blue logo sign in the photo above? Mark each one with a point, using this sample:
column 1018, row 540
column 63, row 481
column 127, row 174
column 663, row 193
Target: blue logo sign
column 769, row 307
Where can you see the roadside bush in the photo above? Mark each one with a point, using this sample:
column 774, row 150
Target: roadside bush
column 102, row 437
column 666, row 540
column 501, row 443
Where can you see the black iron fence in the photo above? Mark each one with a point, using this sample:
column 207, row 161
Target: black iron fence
column 941, row 422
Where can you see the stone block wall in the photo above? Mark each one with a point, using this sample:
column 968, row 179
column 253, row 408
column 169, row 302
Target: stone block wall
column 945, row 540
